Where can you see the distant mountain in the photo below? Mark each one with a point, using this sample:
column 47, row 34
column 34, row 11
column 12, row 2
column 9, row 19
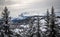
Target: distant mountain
column 22, row 17
column 19, row 19
column 57, row 13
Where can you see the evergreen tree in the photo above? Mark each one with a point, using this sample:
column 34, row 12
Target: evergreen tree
column 5, row 17
column 47, row 23
column 52, row 22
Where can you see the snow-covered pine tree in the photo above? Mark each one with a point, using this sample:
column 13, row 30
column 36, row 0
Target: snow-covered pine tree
column 5, row 18
column 52, row 18
column 47, row 19
column 5, row 15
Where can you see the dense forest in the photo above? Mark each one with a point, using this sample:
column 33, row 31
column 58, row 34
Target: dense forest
column 47, row 25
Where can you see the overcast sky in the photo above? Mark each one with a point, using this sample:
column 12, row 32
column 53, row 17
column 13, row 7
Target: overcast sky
column 30, row 7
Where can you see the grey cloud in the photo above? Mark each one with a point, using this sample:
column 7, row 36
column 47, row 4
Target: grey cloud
column 2, row 2
column 8, row 2
column 40, row 6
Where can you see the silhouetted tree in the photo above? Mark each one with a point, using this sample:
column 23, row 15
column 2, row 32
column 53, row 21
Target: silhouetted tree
column 47, row 23
column 38, row 23
column 5, row 17
column 52, row 22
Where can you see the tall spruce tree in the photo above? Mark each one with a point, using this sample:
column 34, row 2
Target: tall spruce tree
column 5, row 17
column 52, row 22
column 47, row 23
